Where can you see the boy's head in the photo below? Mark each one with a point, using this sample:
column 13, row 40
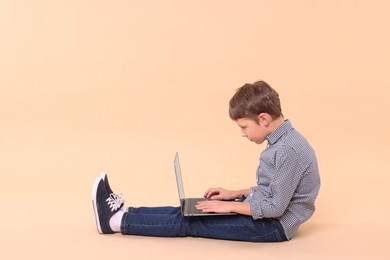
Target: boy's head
column 251, row 100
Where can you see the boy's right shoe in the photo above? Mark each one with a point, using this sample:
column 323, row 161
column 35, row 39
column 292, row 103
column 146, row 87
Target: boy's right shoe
column 105, row 205
column 104, row 177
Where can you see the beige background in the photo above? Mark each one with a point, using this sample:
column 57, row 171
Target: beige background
column 120, row 86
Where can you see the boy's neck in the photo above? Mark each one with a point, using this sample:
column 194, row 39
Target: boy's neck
column 274, row 124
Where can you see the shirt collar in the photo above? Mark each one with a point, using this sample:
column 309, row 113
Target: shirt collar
column 279, row 132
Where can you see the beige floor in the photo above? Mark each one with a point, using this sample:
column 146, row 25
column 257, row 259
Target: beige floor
column 120, row 86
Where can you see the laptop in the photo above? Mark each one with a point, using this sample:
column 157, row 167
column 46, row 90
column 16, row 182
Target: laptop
column 188, row 204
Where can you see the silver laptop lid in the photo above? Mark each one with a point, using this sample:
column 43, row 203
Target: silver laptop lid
column 179, row 179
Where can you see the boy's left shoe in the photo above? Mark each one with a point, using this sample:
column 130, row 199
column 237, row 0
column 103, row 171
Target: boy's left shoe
column 104, row 206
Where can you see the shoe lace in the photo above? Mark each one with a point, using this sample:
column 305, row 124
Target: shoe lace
column 115, row 201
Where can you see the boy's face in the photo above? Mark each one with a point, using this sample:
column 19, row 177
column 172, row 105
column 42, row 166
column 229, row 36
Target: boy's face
column 254, row 131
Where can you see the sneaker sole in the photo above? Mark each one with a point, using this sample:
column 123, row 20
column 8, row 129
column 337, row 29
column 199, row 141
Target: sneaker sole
column 94, row 204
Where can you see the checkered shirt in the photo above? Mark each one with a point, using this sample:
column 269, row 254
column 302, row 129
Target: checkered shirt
column 288, row 180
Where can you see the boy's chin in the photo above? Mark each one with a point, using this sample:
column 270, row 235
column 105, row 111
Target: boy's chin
column 258, row 142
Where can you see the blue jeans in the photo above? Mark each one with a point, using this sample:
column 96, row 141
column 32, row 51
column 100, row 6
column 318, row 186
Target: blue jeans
column 169, row 222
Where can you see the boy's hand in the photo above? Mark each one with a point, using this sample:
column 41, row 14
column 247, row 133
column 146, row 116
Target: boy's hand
column 219, row 194
column 215, row 206
column 218, row 206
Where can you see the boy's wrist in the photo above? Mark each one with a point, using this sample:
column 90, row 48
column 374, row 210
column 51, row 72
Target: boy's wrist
column 241, row 208
column 237, row 194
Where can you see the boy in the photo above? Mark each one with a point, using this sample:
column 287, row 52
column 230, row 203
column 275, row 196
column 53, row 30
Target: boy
column 287, row 185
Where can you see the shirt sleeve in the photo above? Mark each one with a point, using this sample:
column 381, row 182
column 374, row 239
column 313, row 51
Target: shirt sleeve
column 271, row 201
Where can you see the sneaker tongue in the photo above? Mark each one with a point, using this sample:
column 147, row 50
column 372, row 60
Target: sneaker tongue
column 115, row 201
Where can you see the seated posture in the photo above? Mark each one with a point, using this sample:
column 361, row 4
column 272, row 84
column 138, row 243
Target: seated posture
column 283, row 198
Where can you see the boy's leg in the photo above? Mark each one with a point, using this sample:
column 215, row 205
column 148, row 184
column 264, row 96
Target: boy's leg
column 154, row 221
column 169, row 222
column 238, row 227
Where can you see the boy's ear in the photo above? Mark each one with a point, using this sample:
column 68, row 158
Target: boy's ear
column 263, row 119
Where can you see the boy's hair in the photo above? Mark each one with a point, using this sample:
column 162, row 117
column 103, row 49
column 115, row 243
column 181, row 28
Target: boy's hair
column 253, row 99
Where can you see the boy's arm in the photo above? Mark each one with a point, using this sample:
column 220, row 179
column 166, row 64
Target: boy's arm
column 273, row 202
